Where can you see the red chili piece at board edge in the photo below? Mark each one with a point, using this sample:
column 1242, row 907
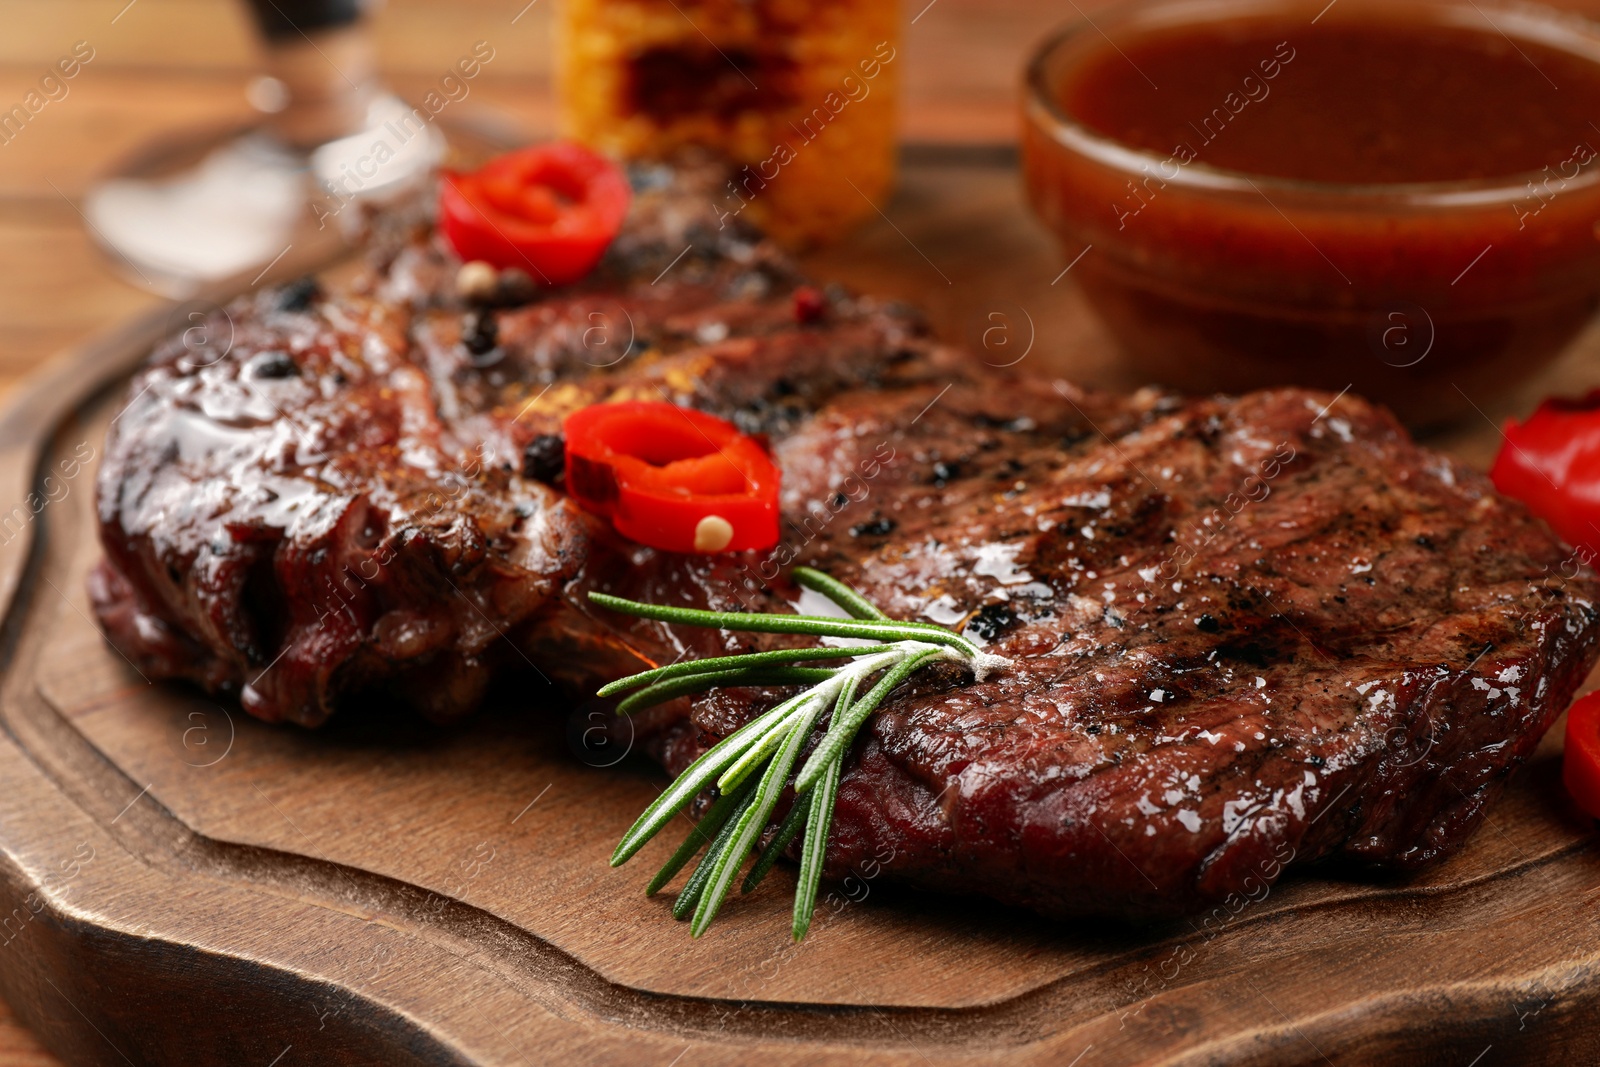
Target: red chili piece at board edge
column 1551, row 462
column 1580, row 765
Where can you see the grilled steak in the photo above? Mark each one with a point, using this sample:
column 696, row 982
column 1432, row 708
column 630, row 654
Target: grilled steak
column 1243, row 631
column 352, row 499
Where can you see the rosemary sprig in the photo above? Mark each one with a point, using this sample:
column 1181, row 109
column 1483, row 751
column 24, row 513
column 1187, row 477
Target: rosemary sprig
column 751, row 767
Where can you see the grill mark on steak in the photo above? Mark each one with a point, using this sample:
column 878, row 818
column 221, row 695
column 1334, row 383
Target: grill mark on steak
column 1239, row 626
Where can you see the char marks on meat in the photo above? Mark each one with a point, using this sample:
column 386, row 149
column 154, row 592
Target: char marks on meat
column 1243, row 629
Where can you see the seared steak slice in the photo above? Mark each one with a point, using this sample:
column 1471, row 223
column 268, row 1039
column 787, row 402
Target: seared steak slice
column 295, row 521
column 1242, row 630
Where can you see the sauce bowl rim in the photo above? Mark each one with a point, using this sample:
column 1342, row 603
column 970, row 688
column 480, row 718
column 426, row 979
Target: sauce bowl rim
column 1566, row 31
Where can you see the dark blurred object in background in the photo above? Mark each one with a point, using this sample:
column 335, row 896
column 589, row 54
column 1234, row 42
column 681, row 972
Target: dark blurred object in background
column 208, row 205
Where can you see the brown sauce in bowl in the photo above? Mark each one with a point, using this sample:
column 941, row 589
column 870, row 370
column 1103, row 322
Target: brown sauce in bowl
column 1357, row 103
column 1403, row 200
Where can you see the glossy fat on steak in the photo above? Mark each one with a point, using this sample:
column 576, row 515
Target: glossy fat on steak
column 1243, row 631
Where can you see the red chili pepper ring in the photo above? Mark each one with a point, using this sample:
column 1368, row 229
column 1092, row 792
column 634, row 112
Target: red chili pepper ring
column 672, row 478
column 551, row 210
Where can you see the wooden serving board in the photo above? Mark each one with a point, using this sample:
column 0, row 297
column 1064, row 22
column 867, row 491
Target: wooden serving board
column 185, row 885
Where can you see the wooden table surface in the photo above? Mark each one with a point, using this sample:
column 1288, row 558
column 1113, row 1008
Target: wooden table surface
column 163, row 65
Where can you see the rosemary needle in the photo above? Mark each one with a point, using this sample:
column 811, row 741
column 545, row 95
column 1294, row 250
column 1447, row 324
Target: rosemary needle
column 812, row 851
column 703, row 832
column 702, row 666
column 702, row 874
column 814, row 625
column 752, row 766
column 858, row 606
column 682, row 685
column 780, row 841
column 845, row 725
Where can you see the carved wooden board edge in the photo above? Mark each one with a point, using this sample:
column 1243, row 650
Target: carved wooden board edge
column 87, row 967
column 97, row 989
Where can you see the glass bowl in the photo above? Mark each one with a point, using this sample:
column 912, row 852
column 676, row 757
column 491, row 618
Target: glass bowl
column 1428, row 297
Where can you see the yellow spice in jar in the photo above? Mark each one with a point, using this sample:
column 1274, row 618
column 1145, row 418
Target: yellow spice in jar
column 799, row 95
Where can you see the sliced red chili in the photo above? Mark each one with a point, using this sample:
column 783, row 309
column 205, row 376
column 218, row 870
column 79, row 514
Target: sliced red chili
column 672, row 478
column 1551, row 462
column 550, row 210
column 1580, row 767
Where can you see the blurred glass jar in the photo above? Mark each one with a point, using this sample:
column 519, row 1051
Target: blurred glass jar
column 799, row 95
